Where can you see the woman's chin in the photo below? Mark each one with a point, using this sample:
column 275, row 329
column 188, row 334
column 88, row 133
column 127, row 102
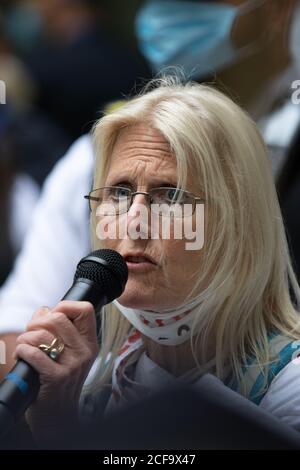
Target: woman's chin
column 137, row 295
column 137, row 299
column 135, row 302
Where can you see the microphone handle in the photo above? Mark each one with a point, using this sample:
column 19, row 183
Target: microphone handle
column 17, row 391
column 21, row 385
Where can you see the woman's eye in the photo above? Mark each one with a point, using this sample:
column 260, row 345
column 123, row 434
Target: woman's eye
column 173, row 195
column 120, row 193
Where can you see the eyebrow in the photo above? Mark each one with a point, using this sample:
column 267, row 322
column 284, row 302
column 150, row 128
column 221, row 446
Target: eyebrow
column 127, row 181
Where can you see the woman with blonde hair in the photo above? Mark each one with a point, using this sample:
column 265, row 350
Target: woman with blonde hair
column 180, row 160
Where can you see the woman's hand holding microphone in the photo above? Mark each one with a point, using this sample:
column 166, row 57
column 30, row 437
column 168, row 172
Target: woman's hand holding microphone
column 61, row 344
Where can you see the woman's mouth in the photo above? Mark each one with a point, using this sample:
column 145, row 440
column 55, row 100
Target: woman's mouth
column 139, row 263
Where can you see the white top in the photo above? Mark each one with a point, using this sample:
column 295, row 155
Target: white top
column 278, row 131
column 282, row 399
column 58, row 239
column 24, row 196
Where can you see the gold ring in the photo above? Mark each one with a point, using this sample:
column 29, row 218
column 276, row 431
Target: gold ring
column 54, row 350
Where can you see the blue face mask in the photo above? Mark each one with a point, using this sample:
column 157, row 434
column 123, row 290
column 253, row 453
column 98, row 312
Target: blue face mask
column 193, row 35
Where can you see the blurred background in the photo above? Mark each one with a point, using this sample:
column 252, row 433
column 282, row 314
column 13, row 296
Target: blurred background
column 63, row 61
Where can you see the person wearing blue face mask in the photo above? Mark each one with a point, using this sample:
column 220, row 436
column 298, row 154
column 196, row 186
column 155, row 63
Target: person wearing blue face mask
column 203, row 37
column 243, row 44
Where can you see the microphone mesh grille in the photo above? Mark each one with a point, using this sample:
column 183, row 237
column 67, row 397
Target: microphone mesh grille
column 111, row 279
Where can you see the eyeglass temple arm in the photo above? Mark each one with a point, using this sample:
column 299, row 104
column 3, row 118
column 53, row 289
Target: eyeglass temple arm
column 91, row 198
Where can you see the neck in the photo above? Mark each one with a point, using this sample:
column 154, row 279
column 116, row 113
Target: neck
column 177, row 360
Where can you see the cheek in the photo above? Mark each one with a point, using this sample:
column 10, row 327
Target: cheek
column 106, row 230
column 181, row 264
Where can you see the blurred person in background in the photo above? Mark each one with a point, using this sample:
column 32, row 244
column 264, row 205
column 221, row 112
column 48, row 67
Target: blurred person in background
column 22, row 24
column 31, row 126
column 78, row 65
column 25, row 160
column 72, row 177
column 18, row 195
column 242, row 46
column 7, row 173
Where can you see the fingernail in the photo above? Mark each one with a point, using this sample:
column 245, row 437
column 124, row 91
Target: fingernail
column 45, row 308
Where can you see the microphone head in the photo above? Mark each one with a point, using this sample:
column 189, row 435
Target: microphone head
column 107, row 269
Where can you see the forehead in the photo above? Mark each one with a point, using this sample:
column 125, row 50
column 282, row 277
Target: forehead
column 143, row 151
column 142, row 143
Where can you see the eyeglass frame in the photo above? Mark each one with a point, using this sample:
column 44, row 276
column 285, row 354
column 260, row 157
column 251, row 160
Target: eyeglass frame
column 196, row 199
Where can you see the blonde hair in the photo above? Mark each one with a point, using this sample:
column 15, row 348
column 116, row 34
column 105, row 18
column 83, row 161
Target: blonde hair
column 245, row 251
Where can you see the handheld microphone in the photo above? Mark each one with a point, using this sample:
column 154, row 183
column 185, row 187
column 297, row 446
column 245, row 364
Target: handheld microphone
column 100, row 278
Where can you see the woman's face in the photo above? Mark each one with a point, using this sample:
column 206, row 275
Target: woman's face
column 141, row 160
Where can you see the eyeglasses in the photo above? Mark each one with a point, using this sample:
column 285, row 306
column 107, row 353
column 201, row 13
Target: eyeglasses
column 166, row 201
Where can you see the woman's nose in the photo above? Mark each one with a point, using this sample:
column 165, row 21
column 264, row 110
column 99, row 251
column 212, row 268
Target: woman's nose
column 139, row 203
column 138, row 217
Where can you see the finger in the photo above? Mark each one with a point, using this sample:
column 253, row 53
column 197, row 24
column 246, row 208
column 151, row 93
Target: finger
column 42, row 339
column 67, row 357
column 43, row 364
column 35, row 337
column 40, row 312
column 82, row 315
column 58, row 325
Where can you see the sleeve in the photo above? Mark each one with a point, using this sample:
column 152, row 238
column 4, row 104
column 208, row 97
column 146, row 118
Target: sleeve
column 283, row 396
column 58, row 238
